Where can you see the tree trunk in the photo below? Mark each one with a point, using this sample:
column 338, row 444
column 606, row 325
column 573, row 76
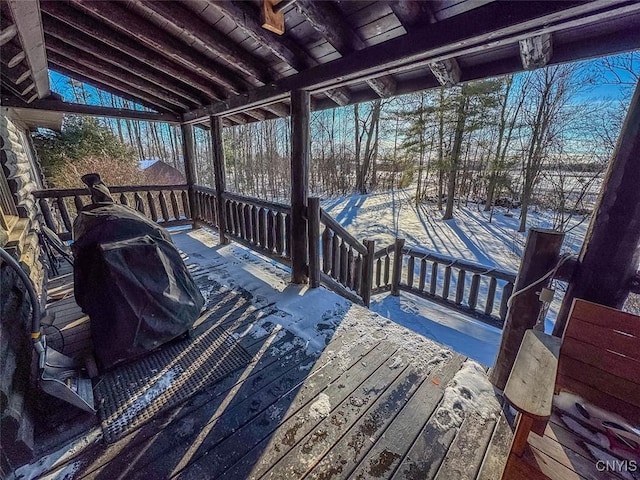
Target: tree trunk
column 455, row 154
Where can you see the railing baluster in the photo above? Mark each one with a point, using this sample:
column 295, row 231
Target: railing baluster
column 248, row 224
column 271, row 234
column 335, row 264
column 423, row 274
column 64, row 213
column 473, row 291
column 287, row 235
column 410, row 267
column 78, row 203
column 343, row 262
column 460, row 286
column 262, row 224
column 163, row 206
column 174, row 205
column 137, row 199
column 491, row 295
column 357, row 274
column 228, row 215
column 387, row 261
column 152, row 207
column 236, row 218
column 123, row 199
column 185, row 205
column 46, row 213
column 434, row 278
column 255, row 224
column 350, row 267
column 447, row 282
column 326, row 250
column 506, row 294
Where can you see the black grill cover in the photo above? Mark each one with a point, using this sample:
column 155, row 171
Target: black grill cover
column 131, row 281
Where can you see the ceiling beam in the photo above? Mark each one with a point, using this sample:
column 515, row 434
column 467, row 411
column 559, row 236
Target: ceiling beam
column 95, row 64
column 535, row 52
column 91, row 110
column 412, row 13
column 278, row 109
column 127, row 22
column 333, row 27
column 208, row 38
column 447, row 72
column 489, row 26
column 107, row 83
column 246, row 18
column 7, row 34
column 27, row 18
column 94, row 29
column 58, row 33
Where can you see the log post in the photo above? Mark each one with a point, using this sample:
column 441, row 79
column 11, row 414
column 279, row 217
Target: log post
column 217, row 152
column 313, row 218
column 300, row 153
column 366, row 282
column 541, row 254
column 397, row 267
column 188, row 153
column 611, row 250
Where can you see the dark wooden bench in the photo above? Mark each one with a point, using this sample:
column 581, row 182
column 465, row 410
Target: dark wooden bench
column 598, row 359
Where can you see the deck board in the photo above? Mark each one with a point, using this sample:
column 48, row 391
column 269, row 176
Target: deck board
column 364, row 406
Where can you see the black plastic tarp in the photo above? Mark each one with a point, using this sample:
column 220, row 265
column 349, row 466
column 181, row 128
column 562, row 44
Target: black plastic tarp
column 131, row 281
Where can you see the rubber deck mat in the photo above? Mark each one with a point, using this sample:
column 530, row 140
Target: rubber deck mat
column 131, row 395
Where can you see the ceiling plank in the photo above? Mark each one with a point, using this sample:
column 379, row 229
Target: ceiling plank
column 107, row 83
column 207, row 37
column 331, row 24
column 535, row 52
column 131, row 24
column 8, row 33
column 92, row 110
column 95, row 64
column 489, row 26
column 57, row 31
column 247, row 17
column 94, row 29
column 27, row 18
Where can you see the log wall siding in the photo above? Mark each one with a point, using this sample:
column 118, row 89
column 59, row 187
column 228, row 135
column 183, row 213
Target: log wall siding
column 16, row 415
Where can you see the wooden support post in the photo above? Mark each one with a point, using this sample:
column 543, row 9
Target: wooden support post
column 300, row 153
column 541, row 254
column 313, row 217
column 217, row 152
column 188, row 154
column 397, row 267
column 366, row 282
column 611, row 250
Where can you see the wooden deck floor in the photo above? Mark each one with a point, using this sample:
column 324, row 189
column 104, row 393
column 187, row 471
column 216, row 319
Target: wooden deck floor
column 371, row 404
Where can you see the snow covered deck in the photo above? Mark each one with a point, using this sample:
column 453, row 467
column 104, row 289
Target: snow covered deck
column 333, row 390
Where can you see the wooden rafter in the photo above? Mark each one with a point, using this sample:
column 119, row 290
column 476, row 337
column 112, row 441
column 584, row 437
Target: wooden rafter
column 535, row 52
column 58, row 34
column 106, row 83
column 92, row 63
column 28, row 21
column 447, row 72
column 501, row 23
column 277, row 109
column 412, row 13
column 8, row 33
column 328, row 21
column 246, row 17
column 127, row 22
column 207, row 37
column 120, row 43
column 93, row 110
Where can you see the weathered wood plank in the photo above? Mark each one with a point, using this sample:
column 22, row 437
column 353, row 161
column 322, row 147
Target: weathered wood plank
column 496, row 456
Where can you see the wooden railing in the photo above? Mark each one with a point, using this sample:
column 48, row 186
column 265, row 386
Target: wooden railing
column 341, row 261
column 468, row 287
column 206, row 206
column 260, row 225
column 168, row 205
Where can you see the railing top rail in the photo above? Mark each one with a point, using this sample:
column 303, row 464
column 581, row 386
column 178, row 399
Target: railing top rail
column 340, row 230
column 73, row 192
column 203, row 189
column 498, row 273
column 384, row 251
column 280, row 207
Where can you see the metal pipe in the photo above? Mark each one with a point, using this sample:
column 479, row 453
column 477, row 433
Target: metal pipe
column 35, row 305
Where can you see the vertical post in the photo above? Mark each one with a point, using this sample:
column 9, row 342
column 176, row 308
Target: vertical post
column 217, row 152
column 313, row 217
column 367, row 272
column 188, row 153
column 397, row 267
column 541, row 254
column 611, row 250
column 300, row 153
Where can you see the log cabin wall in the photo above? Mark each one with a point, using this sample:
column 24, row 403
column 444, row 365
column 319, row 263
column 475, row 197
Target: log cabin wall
column 20, row 175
